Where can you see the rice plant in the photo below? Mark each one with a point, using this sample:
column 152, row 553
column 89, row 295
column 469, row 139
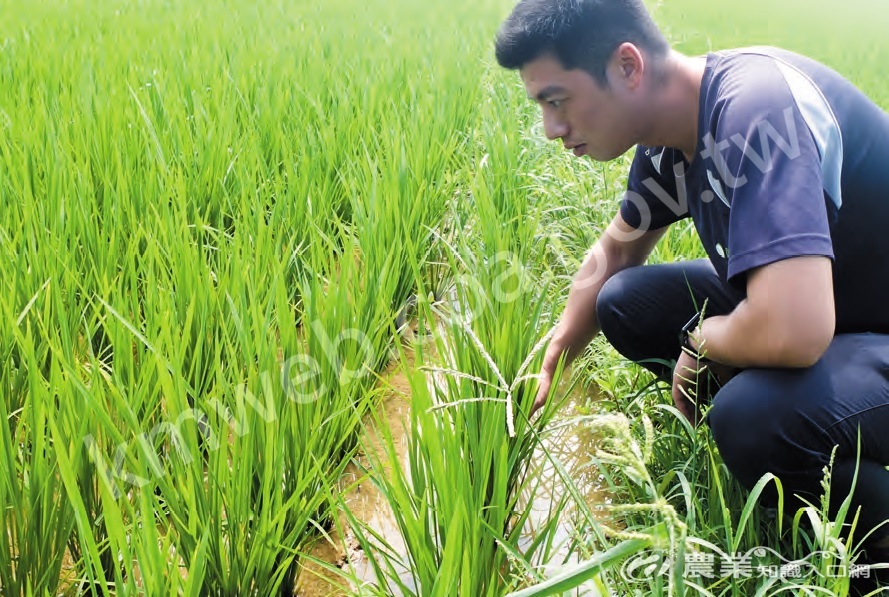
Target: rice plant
column 218, row 216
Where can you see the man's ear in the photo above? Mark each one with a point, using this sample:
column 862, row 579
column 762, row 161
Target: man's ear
column 630, row 64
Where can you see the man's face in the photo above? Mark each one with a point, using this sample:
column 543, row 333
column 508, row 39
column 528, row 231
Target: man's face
column 590, row 119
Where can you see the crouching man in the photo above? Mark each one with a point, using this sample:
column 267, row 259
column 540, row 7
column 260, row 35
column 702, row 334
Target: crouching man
column 783, row 166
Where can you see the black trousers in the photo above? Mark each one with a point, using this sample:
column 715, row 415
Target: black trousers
column 782, row 421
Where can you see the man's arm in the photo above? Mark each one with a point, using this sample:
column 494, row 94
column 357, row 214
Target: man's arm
column 787, row 319
column 620, row 247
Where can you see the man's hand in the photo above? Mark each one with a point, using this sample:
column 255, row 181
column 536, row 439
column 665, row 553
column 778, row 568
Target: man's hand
column 688, row 374
column 620, row 246
column 685, row 378
column 546, row 382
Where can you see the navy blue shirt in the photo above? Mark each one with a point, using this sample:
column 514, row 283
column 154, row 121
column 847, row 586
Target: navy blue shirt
column 792, row 159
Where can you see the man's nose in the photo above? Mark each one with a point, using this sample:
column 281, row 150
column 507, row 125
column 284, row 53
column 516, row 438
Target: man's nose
column 554, row 127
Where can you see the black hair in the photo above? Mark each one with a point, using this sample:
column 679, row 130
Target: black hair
column 579, row 33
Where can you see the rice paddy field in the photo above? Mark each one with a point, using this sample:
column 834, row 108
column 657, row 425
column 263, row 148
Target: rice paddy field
column 263, row 260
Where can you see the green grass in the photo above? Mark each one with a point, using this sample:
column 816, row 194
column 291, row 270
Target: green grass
column 213, row 215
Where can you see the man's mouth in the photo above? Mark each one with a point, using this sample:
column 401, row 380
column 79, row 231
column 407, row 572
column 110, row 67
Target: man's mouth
column 579, row 150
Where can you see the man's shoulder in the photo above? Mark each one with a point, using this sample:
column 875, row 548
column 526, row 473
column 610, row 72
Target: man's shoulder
column 752, row 71
column 771, row 73
column 758, row 54
column 765, row 83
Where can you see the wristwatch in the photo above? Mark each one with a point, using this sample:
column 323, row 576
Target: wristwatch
column 684, row 335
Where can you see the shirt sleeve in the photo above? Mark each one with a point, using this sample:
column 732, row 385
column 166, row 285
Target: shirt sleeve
column 770, row 165
column 651, row 201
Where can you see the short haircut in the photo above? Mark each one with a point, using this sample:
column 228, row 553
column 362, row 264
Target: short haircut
column 579, row 33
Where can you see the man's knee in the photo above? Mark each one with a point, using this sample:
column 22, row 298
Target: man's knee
column 631, row 316
column 759, row 429
column 611, row 304
column 741, row 430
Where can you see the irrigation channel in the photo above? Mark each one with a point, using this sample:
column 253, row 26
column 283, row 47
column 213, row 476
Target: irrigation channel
column 571, row 442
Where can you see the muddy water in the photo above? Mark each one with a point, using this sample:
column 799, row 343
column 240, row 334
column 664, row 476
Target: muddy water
column 363, row 499
column 572, row 444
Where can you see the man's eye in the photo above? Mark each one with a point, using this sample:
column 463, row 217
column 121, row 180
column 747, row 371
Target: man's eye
column 555, row 103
